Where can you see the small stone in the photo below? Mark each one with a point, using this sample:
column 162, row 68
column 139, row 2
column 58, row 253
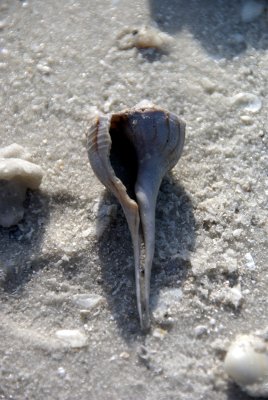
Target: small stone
column 200, row 330
column 73, row 338
column 251, row 10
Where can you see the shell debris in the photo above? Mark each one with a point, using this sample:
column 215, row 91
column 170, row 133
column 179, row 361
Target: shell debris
column 143, row 37
column 17, row 174
column 130, row 152
column 246, row 363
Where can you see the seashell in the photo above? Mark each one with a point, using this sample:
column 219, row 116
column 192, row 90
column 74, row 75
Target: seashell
column 143, row 37
column 17, row 174
column 130, row 152
column 246, row 363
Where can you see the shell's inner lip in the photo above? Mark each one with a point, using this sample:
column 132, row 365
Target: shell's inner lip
column 123, row 156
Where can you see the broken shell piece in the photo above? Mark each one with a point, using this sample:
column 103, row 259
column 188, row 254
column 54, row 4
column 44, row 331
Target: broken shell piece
column 72, row 338
column 130, row 152
column 247, row 101
column 143, row 37
column 246, row 363
column 16, row 175
column 15, row 150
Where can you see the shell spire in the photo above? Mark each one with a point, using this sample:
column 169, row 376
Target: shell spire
column 130, row 152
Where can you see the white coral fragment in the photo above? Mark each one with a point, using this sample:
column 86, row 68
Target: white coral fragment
column 17, row 174
column 246, row 363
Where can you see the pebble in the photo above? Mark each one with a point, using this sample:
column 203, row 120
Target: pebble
column 73, row 338
column 251, row 10
column 247, row 101
column 246, row 363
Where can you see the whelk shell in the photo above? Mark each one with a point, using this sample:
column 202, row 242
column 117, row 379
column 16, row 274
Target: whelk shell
column 130, row 152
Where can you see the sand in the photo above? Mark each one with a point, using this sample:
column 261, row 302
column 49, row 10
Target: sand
column 59, row 61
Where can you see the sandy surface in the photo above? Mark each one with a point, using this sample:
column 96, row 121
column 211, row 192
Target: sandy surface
column 58, row 59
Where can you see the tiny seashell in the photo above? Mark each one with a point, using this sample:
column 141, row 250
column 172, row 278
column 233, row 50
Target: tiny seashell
column 130, row 152
column 143, row 37
column 246, row 363
column 247, row 101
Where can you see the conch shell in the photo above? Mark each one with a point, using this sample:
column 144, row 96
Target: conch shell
column 130, row 152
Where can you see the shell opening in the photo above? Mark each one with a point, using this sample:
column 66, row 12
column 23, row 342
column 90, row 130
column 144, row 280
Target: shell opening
column 123, row 155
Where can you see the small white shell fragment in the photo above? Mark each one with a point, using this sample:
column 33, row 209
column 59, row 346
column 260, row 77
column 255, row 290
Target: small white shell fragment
column 229, row 296
column 250, row 264
column 200, row 330
column 246, row 119
column 3, row 24
column 73, row 338
column 247, row 101
column 16, row 175
column 124, row 355
column 143, row 37
column 235, row 296
column 237, row 233
column 43, row 68
column 208, row 86
column 251, row 10
column 159, row 333
column 87, row 301
column 246, row 363
column 23, row 171
column 15, row 150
